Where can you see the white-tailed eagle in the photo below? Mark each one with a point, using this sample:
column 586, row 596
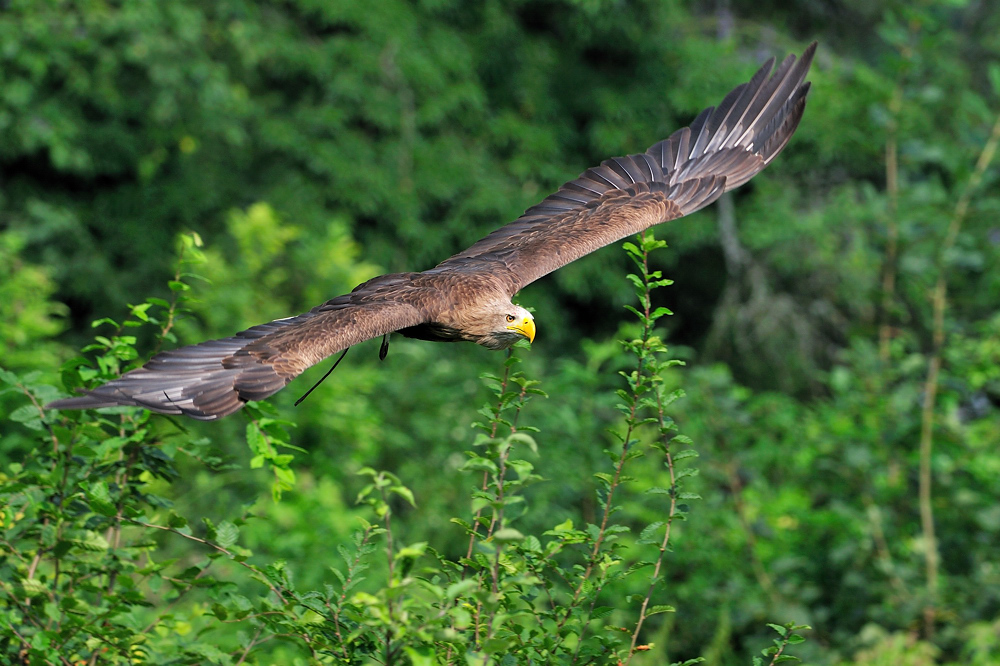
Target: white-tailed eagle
column 468, row 296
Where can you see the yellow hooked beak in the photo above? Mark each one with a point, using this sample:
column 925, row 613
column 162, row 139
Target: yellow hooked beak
column 525, row 328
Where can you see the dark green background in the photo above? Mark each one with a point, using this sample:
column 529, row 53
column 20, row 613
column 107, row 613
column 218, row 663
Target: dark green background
column 316, row 144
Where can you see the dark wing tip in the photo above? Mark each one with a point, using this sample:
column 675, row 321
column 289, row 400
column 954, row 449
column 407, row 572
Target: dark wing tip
column 203, row 381
column 807, row 55
column 215, row 378
column 119, row 394
column 88, row 401
column 724, row 147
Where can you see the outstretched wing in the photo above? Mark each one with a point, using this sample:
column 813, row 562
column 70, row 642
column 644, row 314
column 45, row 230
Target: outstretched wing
column 214, row 379
column 723, row 148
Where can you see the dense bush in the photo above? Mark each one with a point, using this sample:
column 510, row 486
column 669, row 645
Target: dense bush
column 84, row 579
column 838, row 318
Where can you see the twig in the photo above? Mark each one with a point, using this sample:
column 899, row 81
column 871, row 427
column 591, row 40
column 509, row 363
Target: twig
column 170, row 604
column 892, row 224
column 631, row 422
column 486, row 475
column 392, row 569
column 343, row 594
column 215, row 546
column 939, row 300
column 882, row 547
column 671, row 514
column 250, row 646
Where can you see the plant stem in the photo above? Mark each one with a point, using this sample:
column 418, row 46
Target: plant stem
column 939, row 300
column 486, row 475
column 392, row 570
column 666, row 536
column 892, row 224
column 224, row 551
column 632, row 421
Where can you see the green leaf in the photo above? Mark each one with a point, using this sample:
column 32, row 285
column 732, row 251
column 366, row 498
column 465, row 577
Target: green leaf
column 412, row 551
column 29, row 416
column 601, row 612
column 105, row 320
column 405, row 493
column 421, row 656
column 660, row 312
column 507, row 535
column 210, row 531
column 100, row 499
column 564, row 526
column 139, row 311
column 648, row 535
column 523, row 438
column 176, row 520
column 226, row 534
column 461, row 588
column 660, row 609
column 92, row 542
column 777, row 627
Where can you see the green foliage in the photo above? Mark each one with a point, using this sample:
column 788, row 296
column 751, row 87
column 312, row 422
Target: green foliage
column 81, row 563
column 28, row 315
column 317, row 144
column 84, row 578
column 786, row 638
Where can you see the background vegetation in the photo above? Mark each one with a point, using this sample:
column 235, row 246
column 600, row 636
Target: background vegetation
column 837, row 316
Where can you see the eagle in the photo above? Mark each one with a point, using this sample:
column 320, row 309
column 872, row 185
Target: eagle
column 468, row 296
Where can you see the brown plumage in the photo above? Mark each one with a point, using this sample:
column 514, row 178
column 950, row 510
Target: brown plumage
column 467, row 297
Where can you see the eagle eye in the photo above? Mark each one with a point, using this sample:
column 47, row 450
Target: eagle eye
column 510, row 317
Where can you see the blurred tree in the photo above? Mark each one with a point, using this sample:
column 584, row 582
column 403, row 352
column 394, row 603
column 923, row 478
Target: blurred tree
column 318, row 143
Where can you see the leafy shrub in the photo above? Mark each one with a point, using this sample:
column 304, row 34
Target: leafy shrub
column 83, row 580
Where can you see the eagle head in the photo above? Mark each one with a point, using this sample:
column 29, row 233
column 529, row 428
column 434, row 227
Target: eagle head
column 504, row 325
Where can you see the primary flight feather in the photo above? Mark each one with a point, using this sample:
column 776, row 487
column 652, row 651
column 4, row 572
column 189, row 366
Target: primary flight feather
column 468, row 296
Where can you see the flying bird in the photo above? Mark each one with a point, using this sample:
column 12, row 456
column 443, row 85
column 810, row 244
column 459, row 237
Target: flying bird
column 468, row 296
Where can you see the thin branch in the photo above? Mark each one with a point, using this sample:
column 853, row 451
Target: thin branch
column 392, row 568
column 882, row 547
column 486, row 477
column 671, row 514
column 170, row 604
column 215, row 546
column 250, row 646
column 351, row 569
column 939, row 300
column 631, row 421
column 892, row 223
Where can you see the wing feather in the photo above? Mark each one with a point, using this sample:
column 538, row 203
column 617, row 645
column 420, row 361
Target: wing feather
column 216, row 378
column 724, row 147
